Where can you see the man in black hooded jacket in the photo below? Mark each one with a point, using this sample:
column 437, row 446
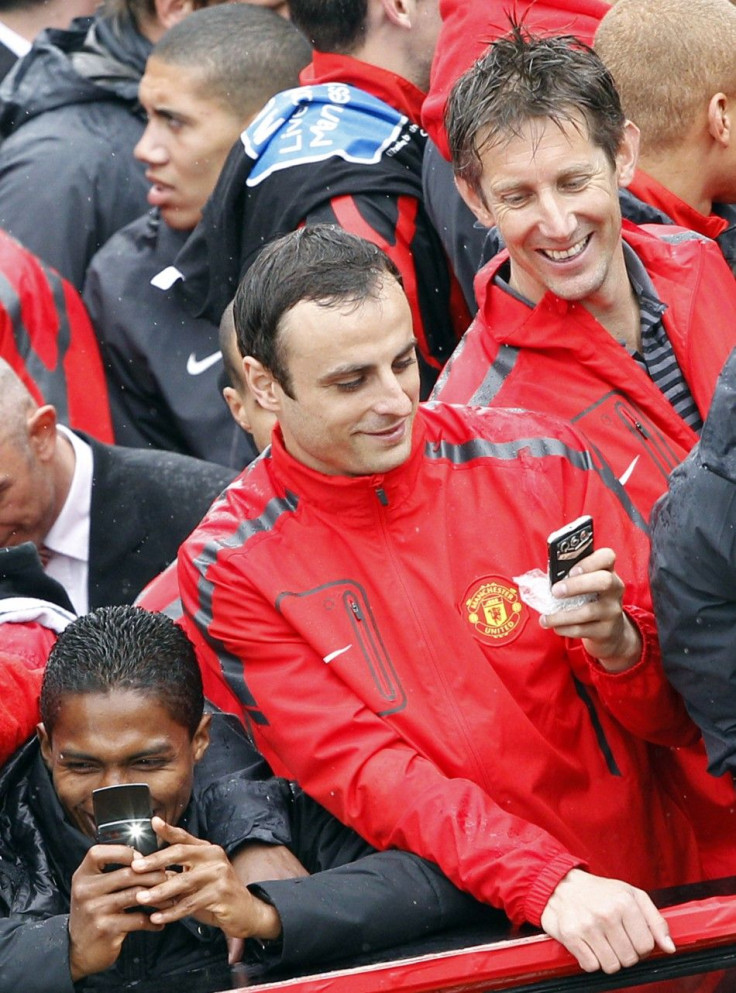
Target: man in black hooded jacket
column 121, row 702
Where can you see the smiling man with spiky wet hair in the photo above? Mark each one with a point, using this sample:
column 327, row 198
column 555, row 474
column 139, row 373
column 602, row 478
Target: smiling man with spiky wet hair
column 619, row 328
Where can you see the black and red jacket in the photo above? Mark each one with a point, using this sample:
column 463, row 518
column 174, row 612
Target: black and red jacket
column 47, row 339
column 345, row 148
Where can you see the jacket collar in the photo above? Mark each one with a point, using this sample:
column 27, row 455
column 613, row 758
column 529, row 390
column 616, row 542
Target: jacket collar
column 360, row 497
column 648, row 189
column 397, row 92
column 520, row 316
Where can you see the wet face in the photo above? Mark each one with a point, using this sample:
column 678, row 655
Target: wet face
column 554, row 196
column 186, row 140
column 355, row 384
column 110, row 739
column 27, row 493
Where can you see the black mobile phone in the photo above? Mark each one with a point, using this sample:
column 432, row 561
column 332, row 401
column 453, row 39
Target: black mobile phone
column 123, row 817
column 568, row 545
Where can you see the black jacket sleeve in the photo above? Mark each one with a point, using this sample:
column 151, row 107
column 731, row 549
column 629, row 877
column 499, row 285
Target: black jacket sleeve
column 34, row 955
column 693, row 577
column 239, row 798
column 358, row 900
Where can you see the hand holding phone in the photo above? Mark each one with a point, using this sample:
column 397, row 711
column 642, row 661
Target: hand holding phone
column 103, row 906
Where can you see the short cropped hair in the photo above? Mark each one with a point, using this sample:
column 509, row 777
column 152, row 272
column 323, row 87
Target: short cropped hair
column 331, row 25
column 521, row 77
column 668, row 58
column 229, row 347
column 124, row 648
column 246, row 54
column 321, row 263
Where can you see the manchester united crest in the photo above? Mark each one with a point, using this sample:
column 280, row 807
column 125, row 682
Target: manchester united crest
column 494, row 609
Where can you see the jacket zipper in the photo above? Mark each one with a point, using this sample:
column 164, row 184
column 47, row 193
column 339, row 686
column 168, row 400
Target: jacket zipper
column 366, row 637
column 662, row 457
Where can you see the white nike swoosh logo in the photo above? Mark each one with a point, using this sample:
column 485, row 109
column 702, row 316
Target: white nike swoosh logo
column 624, row 478
column 165, row 279
column 195, row 366
column 334, row 655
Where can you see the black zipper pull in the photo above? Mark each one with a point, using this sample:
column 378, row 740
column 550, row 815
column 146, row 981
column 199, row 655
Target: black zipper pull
column 638, row 426
column 381, row 494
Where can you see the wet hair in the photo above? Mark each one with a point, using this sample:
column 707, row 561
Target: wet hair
column 668, row 60
column 321, row 263
column 124, row 648
column 246, row 54
column 522, row 77
column 331, row 25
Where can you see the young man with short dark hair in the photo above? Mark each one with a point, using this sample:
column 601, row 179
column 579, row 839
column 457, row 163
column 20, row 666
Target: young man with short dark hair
column 69, row 120
column 204, row 82
column 122, row 703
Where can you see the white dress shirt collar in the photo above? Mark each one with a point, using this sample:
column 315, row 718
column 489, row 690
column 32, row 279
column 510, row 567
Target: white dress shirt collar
column 68, row 538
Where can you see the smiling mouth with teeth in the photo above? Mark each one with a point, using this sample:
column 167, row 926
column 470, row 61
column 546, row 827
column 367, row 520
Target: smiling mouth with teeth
column 567, row 253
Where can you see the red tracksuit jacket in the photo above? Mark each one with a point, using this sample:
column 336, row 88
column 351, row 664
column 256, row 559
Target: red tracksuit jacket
column 47, row 339
column 556, row 358
column 373, row 631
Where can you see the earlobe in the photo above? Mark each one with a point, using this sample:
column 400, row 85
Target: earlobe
column 719, row 119
column 475, row 201
column 237, row 408
column 628, row 154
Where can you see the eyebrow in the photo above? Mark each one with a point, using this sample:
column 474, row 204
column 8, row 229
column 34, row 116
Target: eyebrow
column 351, row 370
column 161, row 748
column 167, row 114
column 512, row 185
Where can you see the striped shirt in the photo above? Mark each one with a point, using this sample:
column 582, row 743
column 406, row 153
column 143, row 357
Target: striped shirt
column 657, row 356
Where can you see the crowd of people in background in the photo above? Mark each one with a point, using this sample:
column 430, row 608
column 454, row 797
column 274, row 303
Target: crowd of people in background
column 318, row 317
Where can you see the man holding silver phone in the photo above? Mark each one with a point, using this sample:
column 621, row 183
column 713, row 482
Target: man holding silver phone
column 122, row 712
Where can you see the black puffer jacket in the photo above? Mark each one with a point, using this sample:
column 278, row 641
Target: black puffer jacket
column 39, row 851
column 70, row 118
column 693, row 575
column 401, row 896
